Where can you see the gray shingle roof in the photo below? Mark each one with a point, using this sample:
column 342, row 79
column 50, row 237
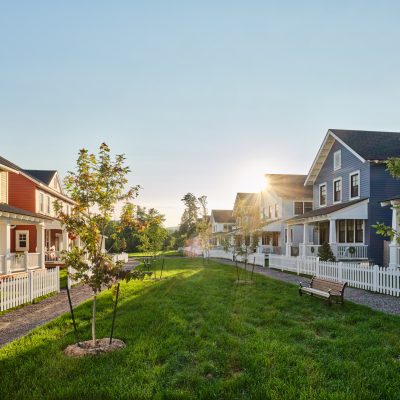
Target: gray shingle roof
column 371, row 145
column 14, row 210
column 44, row 176
column 290, row 186
column 324, row 210
column 223, row 216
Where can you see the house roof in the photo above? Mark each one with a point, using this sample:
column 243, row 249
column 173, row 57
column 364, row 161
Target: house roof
column 246, row 199
column 45, row 176
column 365, row 145
column 223, row 216
column 290, row 186
column 371, row 145
column 324, row 210
column 14, row 210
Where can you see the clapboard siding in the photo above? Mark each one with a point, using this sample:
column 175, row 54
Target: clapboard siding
column 350, row 163
column 383, row 187
column 3, row 187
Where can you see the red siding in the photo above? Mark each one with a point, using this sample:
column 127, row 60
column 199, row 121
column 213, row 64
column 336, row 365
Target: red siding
column 32, row 237
column 21, row 192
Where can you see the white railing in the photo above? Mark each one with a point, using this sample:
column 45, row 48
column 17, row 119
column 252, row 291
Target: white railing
column 310, row 250
column 33, row 259
column 17, row 262
column 266, row 249
column 51, row 255
column 350, row 251
column 23, row 288
column 120, row 257
column 359, row 275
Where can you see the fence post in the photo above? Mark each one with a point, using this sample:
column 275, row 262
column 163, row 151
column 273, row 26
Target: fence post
column 30, row 281
column 317, row 267
column 375, row 278
column 58, row 278
column 340, row 272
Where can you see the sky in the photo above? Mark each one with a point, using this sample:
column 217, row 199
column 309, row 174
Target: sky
column 201, row 96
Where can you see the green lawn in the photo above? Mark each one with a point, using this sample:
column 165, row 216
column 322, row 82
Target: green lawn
column 63, row 277
column 166, row 253
column 198, row 335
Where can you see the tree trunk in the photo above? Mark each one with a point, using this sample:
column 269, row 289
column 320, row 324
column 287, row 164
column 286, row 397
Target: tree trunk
column 94, row 321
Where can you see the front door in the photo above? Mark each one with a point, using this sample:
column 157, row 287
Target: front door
column 323, row 232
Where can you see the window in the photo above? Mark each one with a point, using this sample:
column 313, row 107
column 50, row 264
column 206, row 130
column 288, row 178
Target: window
column 342, row 230
column 359, row 231
column 265, row 239
column 269, row 211
column 337, row 160
column 322, row 194
column 48, row 204
column 301, row 207
column 350, row 231
column 337, row 190
column 298, row 208
column 354, row 185
column 307, row 206
column 41, row 202
column 22, row 241
column 276, row 211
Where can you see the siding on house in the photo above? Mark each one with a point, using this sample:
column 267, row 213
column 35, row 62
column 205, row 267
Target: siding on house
column 3, row 187
column 383, row 187
column 21, row 192
column 32, row 237
column 350, row 163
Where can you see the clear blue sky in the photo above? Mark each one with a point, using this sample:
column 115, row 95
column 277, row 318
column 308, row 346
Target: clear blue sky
column 202, row 96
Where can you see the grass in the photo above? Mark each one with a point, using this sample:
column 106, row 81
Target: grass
column 198, row 335
column 165, row 253
column 63, row 277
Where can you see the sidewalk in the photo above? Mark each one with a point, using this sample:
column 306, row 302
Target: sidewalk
column 19, row 322
column 381, row 302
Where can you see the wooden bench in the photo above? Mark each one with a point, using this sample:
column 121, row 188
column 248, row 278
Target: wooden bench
column 329, row 290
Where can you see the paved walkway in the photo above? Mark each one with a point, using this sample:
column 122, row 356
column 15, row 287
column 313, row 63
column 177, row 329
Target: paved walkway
column 376, row 301
column 20, row 322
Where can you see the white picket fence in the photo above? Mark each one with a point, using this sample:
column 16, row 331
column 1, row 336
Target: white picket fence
column 25, row 287
column 359, row 275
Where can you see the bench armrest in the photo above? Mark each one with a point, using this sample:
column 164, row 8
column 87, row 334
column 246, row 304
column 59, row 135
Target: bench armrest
column 303, row 284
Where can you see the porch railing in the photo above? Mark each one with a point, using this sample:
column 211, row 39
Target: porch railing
column 52, row 255
column 267, row 249
column 18, row 262
column 350, row 251
column 310, row 250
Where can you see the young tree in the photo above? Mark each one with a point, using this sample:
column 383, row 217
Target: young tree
column 96, row 187
column 325, row 252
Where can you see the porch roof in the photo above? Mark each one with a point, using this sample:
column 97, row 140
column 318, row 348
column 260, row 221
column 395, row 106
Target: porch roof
column 10, row 211
column 323, row 212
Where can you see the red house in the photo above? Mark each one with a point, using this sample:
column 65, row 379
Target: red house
column 30, row 234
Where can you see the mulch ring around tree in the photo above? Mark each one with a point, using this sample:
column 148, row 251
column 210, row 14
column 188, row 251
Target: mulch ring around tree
column 87, row 348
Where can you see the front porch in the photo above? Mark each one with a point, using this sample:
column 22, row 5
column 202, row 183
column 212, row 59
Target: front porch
column 343, row 227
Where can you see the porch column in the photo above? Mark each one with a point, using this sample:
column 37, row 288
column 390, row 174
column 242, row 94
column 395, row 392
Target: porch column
column 394, row 246
column 5, row 247
column 306, row 240
column 288, row 240
column 332, row 236
column 64, row 240
column 40, row 244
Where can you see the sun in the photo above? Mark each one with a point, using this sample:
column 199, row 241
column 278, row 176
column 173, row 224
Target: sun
column 252, row 179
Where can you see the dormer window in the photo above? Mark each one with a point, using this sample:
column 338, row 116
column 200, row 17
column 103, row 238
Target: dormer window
column 322, row 195
column 337, row 160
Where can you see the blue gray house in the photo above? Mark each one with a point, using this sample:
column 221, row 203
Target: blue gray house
column 349, row 181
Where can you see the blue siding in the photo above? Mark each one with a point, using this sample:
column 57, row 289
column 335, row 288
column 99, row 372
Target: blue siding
column 350, row 163
column 383, row 187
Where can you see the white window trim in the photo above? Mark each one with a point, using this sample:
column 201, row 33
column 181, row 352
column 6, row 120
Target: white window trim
column 339, row 166
column 17, row 246
column 359, row 184
column 319, row 195
column 341, row 190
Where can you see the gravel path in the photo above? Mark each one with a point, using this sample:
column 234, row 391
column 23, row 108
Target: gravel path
column 20, row 322
column 376, row 301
